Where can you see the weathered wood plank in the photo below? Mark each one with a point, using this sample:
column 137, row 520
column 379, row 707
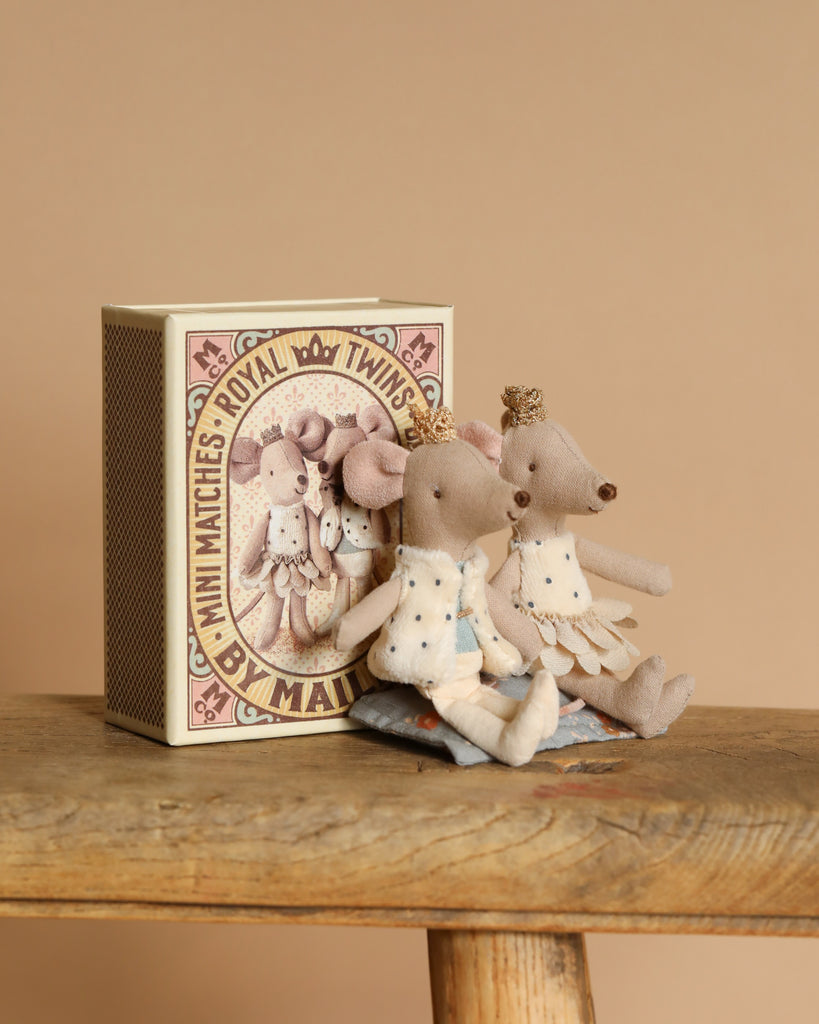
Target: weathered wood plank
column 718, row 819
column 396, row 917
column 487, row 977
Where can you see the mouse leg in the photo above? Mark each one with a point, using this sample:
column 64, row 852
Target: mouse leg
column 298, row 619
column 341, row 604
column 270, row 622
column 508, row 707
column 674, row 697
column 513, row 742
column 363, row 585
column 632, row 701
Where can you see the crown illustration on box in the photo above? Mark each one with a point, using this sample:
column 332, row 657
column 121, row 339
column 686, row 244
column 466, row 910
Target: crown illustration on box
column 525, row 405
column 346, row 420
column 272, row 434
column 315, row 354
column 433, row 426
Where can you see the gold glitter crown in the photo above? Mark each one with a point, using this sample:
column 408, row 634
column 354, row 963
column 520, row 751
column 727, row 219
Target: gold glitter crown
column 525, row 405
column 271, row 434
column 433, row 426
column 346, row 420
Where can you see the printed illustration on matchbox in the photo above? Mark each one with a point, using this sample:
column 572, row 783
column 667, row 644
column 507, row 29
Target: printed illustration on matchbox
column 276, row 551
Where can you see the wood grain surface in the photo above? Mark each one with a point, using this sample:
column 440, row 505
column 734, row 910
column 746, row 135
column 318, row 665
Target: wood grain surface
column 424, row 917
column 716, row 822
column 487, row 977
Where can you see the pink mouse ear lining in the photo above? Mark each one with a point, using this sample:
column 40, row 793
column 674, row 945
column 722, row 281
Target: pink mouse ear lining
column 483, row 437
column 376, row 423
column 309, row 430
column 244, row 459
column 374, row 473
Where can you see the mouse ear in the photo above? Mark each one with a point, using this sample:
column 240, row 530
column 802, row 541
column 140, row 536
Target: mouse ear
column 374, row 473
column 484, row 438
column 309, row 430
column 376, row 423
column 245, row 457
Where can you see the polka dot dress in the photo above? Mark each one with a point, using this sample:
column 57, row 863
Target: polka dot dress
column 575, row 628
column 286, row 564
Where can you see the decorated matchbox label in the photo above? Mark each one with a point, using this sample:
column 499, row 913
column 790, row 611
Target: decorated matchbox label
column 276, row 551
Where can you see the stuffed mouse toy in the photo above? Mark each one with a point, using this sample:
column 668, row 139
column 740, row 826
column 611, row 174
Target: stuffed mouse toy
column 541, row 599
column 435, row 630
column 283, row 555
column 352, row 534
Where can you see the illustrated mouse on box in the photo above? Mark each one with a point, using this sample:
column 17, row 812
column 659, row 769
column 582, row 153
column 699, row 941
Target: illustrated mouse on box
column 351, row 533
column 540, row 597
column 283, row 555
column 435, row 629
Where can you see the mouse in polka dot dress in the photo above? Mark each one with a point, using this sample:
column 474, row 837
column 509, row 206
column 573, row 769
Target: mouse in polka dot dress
column 283, row 556
column 540, row 597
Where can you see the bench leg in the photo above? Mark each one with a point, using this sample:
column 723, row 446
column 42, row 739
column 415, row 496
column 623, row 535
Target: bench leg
column 482, row 977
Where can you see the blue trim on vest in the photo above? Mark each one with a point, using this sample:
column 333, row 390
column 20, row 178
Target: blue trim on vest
column 465, row 639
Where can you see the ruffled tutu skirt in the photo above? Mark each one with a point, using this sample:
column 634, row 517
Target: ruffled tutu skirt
column 280, row 576
column 592, row 640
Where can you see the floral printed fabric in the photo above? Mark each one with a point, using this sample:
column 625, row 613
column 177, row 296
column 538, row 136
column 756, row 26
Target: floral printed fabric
column 402, row 711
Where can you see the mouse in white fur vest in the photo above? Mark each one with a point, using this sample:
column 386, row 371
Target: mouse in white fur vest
column 352, row 534
column 435, row 629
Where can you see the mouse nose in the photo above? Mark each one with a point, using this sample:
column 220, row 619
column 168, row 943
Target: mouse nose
column 522, row 498
column 607, row 492
column 301, row 479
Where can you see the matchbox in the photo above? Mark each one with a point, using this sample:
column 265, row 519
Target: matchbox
column 230, row 547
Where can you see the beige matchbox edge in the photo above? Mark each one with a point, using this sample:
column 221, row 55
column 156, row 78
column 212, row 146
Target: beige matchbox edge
column 127, row 317
column 252, row 310
column 176, row 625
column 174, row 326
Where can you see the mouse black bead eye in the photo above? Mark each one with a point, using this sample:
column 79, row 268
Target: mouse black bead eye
column 436, row 492
column 271, row 472
column 532, row 467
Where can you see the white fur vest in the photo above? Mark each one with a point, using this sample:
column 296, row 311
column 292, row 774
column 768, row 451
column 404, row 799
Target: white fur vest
column 417, row 642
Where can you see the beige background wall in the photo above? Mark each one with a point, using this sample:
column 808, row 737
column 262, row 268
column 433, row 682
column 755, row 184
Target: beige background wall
column 621, row 201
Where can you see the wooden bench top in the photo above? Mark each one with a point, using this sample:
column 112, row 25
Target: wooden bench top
column 711, row 828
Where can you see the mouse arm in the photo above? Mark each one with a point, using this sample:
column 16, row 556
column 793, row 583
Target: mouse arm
column 506, row 581
column 380, row 525
column 318, row 552
column 368, row 615
column 628, row 570
column 515, row 627
column 254, row 545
